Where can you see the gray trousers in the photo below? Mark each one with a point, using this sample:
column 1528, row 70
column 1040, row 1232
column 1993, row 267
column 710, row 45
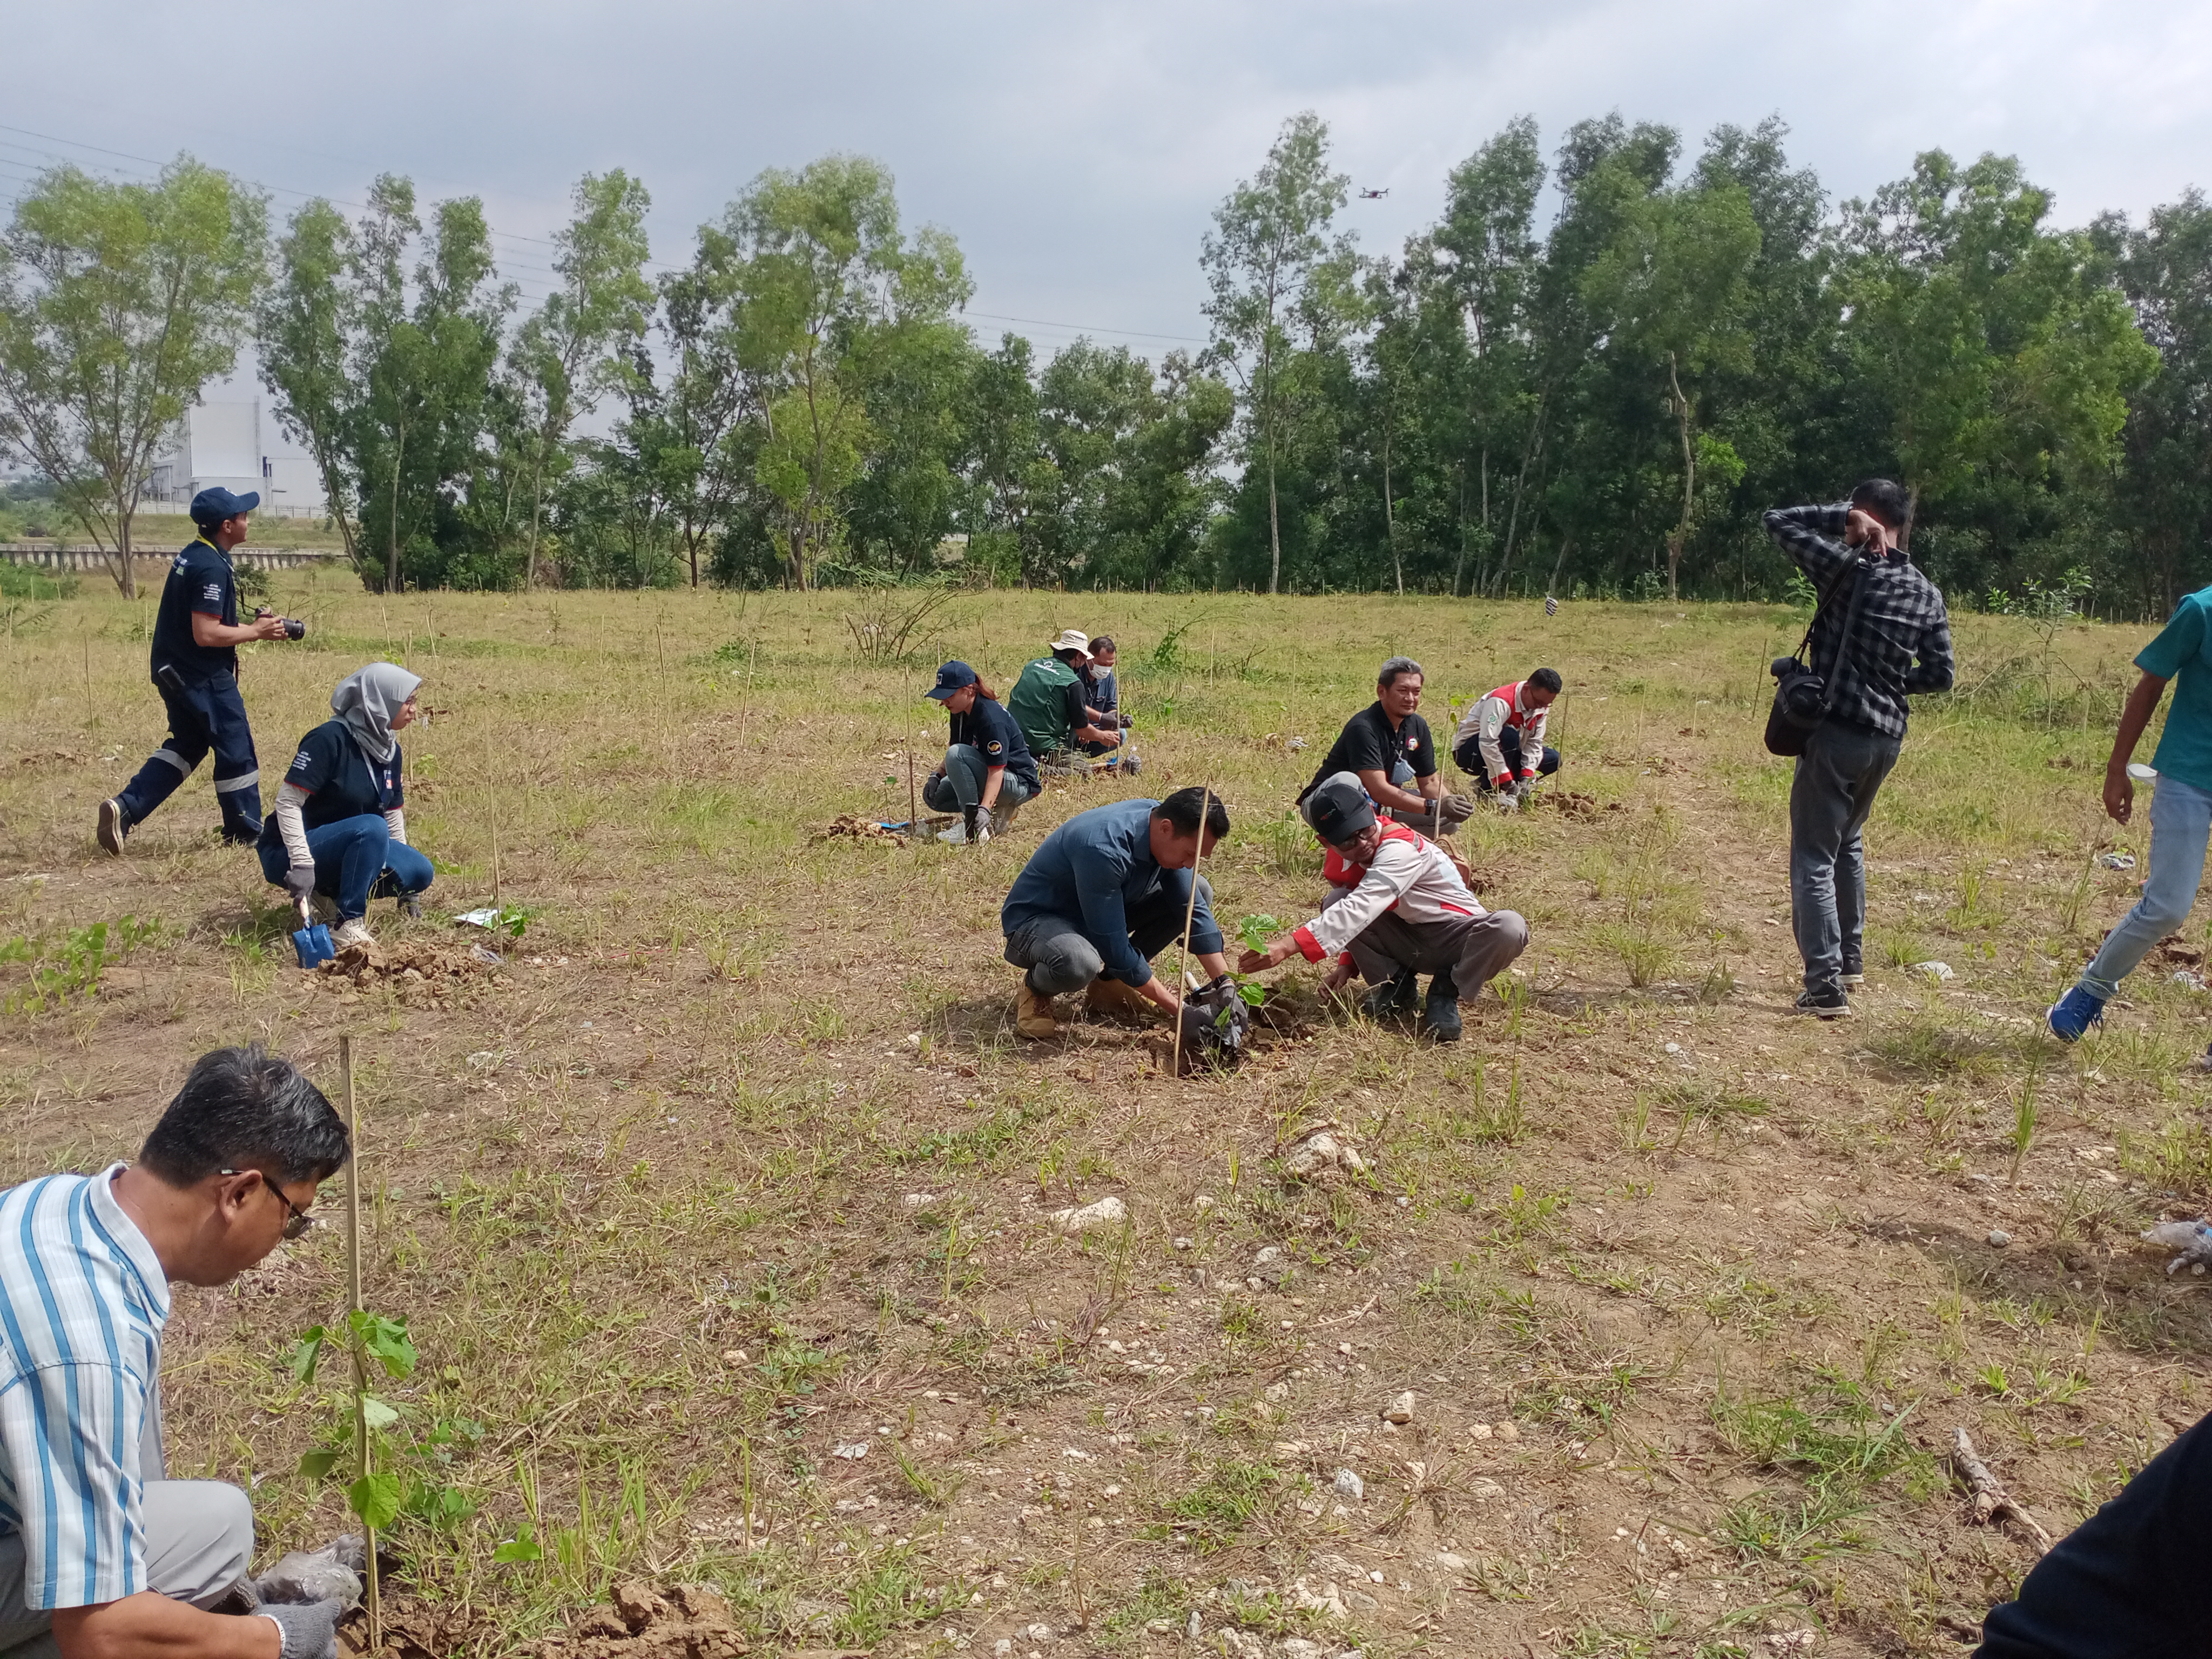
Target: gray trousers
column 1465, row 953
column 199, row 1543
column 1830, row 799
column 958, row 783
column 1060, row 959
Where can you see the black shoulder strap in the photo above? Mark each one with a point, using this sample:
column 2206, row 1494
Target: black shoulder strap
column 1822, row 610
column 1843, row 639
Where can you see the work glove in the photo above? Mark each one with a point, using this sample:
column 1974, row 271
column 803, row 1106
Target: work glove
column 981, row 832
column 311, row 1628
column 1508, row 800
column 1527, row 774
column 1126, row 721
column 300, row 883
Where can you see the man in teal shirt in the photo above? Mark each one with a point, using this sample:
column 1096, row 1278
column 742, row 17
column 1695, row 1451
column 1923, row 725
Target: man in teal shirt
column 2180, row 808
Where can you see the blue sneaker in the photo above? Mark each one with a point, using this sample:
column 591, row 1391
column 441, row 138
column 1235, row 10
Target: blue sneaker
column 2075, row 1014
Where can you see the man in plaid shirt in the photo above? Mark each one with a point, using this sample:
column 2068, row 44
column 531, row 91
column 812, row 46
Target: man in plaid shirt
column 1900, row 644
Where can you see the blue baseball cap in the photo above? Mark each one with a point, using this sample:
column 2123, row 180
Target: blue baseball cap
column 215, row 504
column 952, row 676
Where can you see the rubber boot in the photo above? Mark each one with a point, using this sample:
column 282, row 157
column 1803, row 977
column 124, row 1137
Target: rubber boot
column 1393, row 997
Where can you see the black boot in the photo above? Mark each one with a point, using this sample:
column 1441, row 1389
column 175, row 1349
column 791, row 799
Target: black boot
column 1393, row 998
column 1440, row 1016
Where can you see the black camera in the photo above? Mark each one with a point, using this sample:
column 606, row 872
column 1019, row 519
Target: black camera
column 294, row 628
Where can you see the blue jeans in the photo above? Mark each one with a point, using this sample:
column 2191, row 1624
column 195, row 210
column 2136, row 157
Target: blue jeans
column 207, row 715
column 356, row 861
column 2180, row 821
column 1830, row 797
column 958, row 783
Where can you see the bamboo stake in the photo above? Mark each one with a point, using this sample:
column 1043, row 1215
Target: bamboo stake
column 913, row 810
column 354, row 1304
column 495, row 858
column 1190, row 911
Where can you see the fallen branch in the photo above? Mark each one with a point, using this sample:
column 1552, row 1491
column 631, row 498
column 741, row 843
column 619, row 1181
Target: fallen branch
column 1991, row 1499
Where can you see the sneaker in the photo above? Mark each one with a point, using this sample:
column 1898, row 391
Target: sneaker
column 1851, row 978
column 1393, row 997
column 1441, row 1017
column 350, row 933
column 1034, row 1016
column 113, row 826
column 2072, row 1014
column 1834, row 1006
column 956, row 836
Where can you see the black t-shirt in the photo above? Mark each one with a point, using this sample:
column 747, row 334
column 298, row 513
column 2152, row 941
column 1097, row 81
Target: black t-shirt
column 988, row 727
column 1368, row 744
column 200, row 580
column 341, row 782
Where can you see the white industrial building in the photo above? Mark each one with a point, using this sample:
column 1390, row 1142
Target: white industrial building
column 227, row 444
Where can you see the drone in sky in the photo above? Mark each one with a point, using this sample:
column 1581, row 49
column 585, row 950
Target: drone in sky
column 1374, row 195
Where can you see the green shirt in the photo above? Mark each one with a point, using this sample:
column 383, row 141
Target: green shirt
column 1046, row 703
column 2182, row 654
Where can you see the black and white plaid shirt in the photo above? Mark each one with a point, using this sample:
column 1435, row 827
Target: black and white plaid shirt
column 1900, row 642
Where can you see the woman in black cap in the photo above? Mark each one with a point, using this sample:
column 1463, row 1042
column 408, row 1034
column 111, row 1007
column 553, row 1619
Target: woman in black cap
column 988, row 771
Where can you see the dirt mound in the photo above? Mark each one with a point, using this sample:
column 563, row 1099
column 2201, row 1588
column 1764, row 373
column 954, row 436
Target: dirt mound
column 1575, row 805
column 859, row 829
column 689, row 1621
column 435, row 970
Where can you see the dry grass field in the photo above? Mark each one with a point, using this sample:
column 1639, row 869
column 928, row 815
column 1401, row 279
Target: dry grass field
column 719, row 1209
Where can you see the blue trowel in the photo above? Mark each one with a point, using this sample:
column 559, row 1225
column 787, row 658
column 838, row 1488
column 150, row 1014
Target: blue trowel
column 310, row 940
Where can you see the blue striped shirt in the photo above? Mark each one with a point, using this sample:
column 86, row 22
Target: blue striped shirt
column 82, row 1302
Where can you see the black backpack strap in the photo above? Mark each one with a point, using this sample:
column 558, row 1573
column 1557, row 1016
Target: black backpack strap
column 1843, row 639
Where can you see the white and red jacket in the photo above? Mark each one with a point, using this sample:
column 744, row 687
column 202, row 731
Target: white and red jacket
column 1492, row 714
column 1410, row 875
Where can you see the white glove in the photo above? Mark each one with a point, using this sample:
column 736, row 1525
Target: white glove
column 1508, row 801
column 982, row 831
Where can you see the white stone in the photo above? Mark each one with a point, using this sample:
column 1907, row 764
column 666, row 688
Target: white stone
column 1399, row 1410
column 1106, row 1214
column 1349, row 1485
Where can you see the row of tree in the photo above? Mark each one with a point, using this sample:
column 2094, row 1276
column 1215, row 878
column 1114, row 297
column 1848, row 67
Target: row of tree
column 1590, row 374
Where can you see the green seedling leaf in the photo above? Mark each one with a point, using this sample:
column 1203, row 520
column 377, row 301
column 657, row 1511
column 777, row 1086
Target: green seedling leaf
column 375, row 1499
column 386, row 1342
column 318, row 1463
column 1253, row 996
column 307, row 1353
column 376, row 1414
column 523, row 1546
column 1254, row 931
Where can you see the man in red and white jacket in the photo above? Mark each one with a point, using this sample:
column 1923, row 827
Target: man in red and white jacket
column 1500, row 743
column 1396, row 908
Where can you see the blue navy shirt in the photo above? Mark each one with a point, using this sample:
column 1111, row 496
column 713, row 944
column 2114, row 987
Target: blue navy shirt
column 82, row 1302
column 1091, row 871
column 200, row 581
column 339, row 779
column 989, row 729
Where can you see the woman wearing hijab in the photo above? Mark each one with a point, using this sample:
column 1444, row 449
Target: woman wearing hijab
column 340, row 826
column 988, row 771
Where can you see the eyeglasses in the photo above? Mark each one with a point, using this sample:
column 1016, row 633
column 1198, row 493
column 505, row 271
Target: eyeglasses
column 301, row 1220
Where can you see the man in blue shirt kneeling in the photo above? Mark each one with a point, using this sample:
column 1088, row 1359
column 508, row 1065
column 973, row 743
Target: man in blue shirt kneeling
column 1104, row 894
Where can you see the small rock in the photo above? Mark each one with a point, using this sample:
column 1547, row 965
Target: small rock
column 1297, row 1647
column 1319, row 1148
column 1202, row 1204
column 852, row 1451
column 1509, row 1430
column 1040, row 1632
column 1451, row 1563
column 1673, row 1048
column 1101, row 1217
column 1184, row 1244
column 636, row 1602
column 1192, row 1626
column 1938, row 971
column 1271, row 1266
column 1003, row 1647
column 1483, row 1487
column 1350, row 1485
column 919, row 1200
column 1478, row 1431
column 734, row 1356
column 2000, row 1237
column 1399, row 1410
column 1792, row 1641
column 1279, row 1391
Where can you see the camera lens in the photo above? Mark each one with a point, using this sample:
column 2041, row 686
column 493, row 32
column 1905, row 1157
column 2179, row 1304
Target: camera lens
column 295, row 629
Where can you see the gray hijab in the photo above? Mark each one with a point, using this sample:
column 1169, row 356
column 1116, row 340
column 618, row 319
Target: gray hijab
column 367, row 700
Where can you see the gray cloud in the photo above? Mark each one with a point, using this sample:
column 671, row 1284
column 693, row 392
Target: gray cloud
column 1077, row 152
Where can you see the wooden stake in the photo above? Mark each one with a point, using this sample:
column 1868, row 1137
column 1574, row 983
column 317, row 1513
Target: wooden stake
column 494, row 860
column 913, row 809
column 354, row 1304
column 1190, row 910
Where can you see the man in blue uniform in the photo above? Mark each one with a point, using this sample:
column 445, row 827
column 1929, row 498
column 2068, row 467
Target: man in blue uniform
column 196, row 635
column 1105, row 893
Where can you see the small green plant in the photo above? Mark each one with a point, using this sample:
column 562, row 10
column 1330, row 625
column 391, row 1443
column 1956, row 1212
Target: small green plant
column 65, row 966
column 1256, row 931
column 393, row 1474
column 514, row 919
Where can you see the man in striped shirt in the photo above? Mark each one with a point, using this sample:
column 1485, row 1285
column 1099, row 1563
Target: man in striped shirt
column 101, row 1558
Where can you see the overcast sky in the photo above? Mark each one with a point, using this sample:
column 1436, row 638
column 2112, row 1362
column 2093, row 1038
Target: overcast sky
column 1076, row 151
